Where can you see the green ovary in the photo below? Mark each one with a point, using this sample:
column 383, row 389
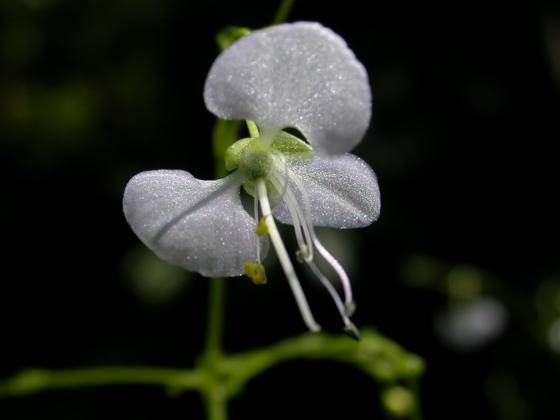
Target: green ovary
column 256, row 160
column 253, row 156
column 255, row 164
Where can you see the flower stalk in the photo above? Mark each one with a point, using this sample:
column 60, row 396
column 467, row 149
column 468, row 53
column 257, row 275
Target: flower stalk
column 215, row 318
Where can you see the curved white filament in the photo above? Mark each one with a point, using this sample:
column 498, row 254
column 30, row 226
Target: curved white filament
column 256, row 216
column 301, row 229
column 332, row 261
column 284, row 258
column 342, row 309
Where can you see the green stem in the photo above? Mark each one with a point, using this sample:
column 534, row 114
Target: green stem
column 216, row 406
column 415, row 388
column 215, row 400
column 282, row 12
column 253, row 129
column 216, row 300
column 224, row 377
column 37, row 380
column 375, row 355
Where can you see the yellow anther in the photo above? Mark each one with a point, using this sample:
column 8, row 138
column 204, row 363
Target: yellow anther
column 255, row 272
column 261, row 228
column 302, row 254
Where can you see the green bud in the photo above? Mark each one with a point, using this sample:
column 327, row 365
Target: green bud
column 398, row 401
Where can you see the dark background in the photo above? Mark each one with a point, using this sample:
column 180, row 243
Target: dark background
column 465, row 123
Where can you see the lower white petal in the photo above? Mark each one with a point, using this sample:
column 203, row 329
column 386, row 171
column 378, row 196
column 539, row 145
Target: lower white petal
column 198, row 225
column 340, row 192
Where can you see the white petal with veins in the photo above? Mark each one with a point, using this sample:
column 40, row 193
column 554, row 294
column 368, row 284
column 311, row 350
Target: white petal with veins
column 341, row 192
column 299, row 75
column 198, row 225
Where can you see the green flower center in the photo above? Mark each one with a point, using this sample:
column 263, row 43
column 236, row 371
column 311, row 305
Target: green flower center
column 255, row 164
column 255, row 158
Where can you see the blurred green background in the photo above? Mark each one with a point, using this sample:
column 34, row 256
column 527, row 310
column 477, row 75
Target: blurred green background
column 462, row 268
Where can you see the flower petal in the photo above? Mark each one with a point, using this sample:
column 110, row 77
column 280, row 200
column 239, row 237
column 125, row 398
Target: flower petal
column 198, row 225
column 342, row 192
column 299, row 75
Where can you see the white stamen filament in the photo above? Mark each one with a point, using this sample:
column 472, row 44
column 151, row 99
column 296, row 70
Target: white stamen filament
column 347, row 309
column 300, row 227
column 301, row 222
column 332, row 261
column 257, row 220
column 334, row 294
column 284, row 258
column 295, row 209
column 279, row 160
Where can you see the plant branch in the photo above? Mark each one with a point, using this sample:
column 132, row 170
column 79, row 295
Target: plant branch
column 38, row 380
column 375, row 355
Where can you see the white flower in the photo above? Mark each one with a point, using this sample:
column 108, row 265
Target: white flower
column 299, row 75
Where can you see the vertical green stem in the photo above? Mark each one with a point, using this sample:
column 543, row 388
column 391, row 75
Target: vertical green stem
column 216, row 300
column 282, row 12
column 415, row 388
column 216, row 406
column 224, row 134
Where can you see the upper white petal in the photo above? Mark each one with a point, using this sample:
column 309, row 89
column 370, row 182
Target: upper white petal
column 300, row 75
column 198, row 225
column 341, row 192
